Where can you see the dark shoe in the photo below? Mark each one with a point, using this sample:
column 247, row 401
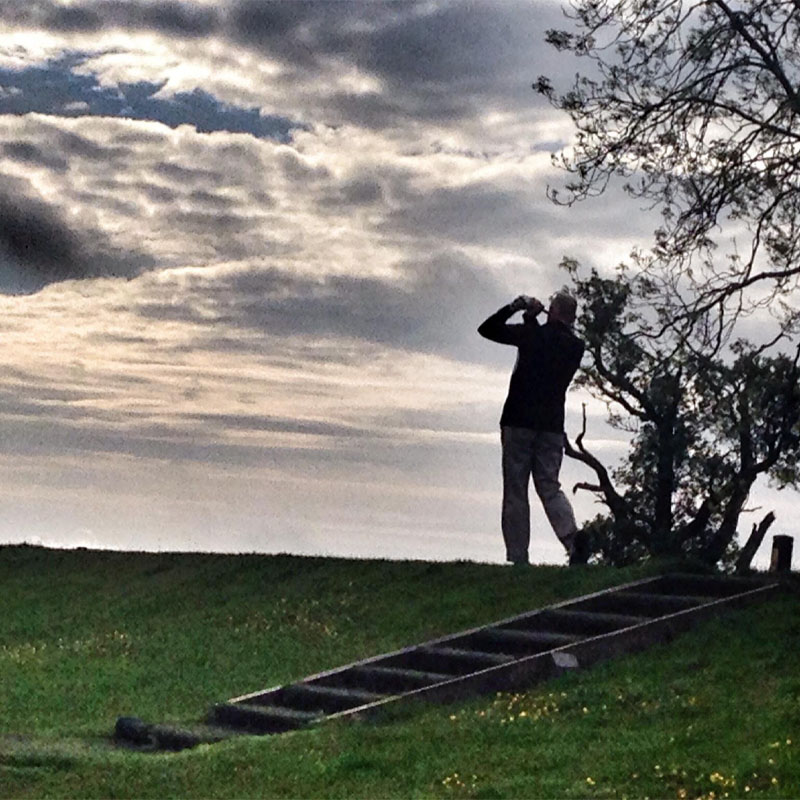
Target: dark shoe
column 579, row 554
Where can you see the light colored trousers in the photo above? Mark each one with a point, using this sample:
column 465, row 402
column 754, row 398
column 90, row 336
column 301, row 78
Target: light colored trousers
column 539, row 454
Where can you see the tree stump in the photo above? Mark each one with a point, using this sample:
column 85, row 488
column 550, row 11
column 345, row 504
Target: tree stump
column 781, row 554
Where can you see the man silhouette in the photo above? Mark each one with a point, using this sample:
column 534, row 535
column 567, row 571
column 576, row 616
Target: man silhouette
column 532, row 423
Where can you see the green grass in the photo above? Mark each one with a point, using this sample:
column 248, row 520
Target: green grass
column 88, row 636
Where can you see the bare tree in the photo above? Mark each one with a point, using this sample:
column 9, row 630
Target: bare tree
column 704, row 428
column 695, row 106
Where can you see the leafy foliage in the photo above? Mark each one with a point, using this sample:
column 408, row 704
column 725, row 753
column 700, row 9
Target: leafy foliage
column 694, row 106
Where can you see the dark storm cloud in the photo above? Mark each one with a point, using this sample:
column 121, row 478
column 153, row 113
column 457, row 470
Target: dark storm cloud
column 27, row 153
column 273, row 27
column 36, row 390
column 514, row 218
column 40, row 420
column 269, row 424
column 181, row 19
column 434, row 60
column 359, row 191
column 43, row 435
column 457, row 45
column 460, row 417
column 213, row 222
column 170, row 17
column 15, row 406
column 415, row 41
column 77, row 146
column 194, row 176
column 56, row 88
column 434, row 306
column 26, row 395
column 38, row 247
column 381, row 110
column 212, row 200
column 480, row 213
column 297, row 169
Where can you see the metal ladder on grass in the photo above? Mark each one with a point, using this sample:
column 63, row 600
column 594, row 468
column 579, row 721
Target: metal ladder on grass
column 509, row 655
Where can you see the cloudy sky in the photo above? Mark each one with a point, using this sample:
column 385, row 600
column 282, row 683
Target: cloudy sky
column 244, row 250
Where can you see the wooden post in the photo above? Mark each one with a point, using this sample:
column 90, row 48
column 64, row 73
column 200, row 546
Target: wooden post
column 781, row 554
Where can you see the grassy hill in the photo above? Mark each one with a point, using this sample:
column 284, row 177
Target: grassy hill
column 88, row 636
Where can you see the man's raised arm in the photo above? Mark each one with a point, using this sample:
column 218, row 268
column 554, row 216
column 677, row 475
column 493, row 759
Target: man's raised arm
column 495, row 328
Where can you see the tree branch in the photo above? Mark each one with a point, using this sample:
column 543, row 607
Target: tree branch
column 753, row 542
column 770, row 62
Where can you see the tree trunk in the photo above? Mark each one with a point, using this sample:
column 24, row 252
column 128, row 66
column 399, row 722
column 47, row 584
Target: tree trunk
column 696, row 527
column 726, row 532
column 753, row 543
column 663, row 539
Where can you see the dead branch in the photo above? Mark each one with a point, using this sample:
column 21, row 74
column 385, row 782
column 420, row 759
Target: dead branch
column 754, row 541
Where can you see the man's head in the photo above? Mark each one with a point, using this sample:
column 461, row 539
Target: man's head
column 563, row 308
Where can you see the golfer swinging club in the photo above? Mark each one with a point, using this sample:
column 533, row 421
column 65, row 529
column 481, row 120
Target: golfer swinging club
column 532, row 423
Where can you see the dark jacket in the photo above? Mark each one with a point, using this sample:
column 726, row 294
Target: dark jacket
column 548, row 357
